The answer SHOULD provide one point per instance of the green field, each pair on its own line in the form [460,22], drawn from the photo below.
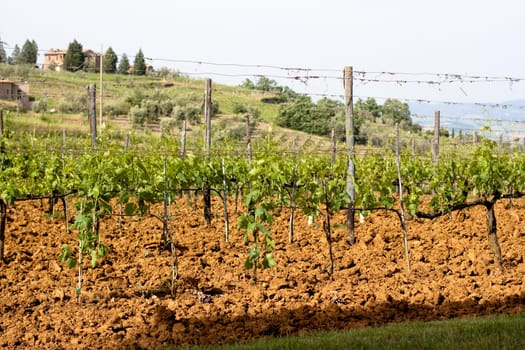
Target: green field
[494,332]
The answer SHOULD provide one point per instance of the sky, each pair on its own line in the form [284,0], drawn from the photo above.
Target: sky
[465,37]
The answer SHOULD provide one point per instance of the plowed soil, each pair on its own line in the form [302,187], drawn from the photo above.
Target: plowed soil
[127,302]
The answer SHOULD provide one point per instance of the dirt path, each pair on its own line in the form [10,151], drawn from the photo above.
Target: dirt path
[126,301]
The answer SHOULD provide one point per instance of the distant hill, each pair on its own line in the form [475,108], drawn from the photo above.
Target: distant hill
[505,118]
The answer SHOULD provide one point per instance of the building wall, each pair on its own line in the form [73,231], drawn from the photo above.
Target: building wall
[6,89]
[15,91]
[56,57]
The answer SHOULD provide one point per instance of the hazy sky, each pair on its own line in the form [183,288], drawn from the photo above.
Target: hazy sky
[474,37]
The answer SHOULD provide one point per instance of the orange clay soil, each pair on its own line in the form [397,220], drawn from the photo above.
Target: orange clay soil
[126,301]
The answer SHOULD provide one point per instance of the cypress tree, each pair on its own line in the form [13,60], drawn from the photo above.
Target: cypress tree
[29,53]
[15,55]
[74,58]
[3,54]
[110,61]
[123,66]
[139,65]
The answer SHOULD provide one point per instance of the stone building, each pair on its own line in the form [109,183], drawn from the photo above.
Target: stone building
[54,59]
[10,90]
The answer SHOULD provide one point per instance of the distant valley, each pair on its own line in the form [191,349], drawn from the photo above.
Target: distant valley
[505,119]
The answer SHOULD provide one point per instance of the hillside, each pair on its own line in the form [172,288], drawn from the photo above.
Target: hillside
[63,98]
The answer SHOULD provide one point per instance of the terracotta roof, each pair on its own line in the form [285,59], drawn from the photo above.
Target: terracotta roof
[55,52]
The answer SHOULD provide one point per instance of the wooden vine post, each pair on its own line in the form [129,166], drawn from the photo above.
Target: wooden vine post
[225,203]
[1,123]
[249,140]
[435,141]
[207,144]
[92,113]
[350,141]
[401,200]
[3,216]
[292,206]
[333,148]
[183,139]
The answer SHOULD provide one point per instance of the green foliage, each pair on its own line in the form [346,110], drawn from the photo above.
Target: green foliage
[106,174]
[110,61]
[239,108]
[368,113]
[40,106]
[116,109]
[135,97]
[304,115]
[490,171]
[29,53]
[52,66]
[253,222]
[190,113]
[3,54]
[74,104]
[283,93]
[139,64]
[267,85]
[149,109]
[138,116]
[15,56]
[168,126]
[74,58]
[123,66]
[399,112]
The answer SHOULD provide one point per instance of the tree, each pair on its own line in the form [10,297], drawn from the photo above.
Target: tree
[248,84]
[29,53]
[123,67]
[367,110]
[15,55]
[74,58]
[266,84]
[3,55]
[110,61]
[304,115]
[139,64]
[396,110]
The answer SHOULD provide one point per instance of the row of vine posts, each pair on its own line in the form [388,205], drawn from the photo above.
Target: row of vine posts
[488,202]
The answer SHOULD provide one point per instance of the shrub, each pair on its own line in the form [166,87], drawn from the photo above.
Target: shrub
[166,108]
[152,109]
[167,126]
[138,116]
[40,106]
[74,104]
[117,109]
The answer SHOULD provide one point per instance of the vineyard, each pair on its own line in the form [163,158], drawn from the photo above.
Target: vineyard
[142,244]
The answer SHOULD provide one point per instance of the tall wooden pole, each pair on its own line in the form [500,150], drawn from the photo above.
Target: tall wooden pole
[401,200]
[435,141]
[207,118]
[207,143]
[350,141]
[249,141]
[1,122]
[333,148]
[183,139]
[92,112]
[101,68]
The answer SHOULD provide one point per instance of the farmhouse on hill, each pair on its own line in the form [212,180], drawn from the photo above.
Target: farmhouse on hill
[54,59]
